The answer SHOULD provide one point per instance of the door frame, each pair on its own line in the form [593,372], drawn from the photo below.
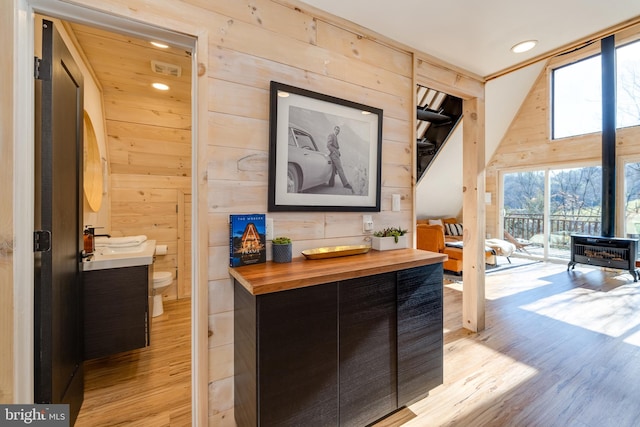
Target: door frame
[24,183]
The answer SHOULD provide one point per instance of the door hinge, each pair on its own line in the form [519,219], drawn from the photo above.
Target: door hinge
[41,69]
[36,67]
[41,241]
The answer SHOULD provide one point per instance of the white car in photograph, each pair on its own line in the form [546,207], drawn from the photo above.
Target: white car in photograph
[307,166]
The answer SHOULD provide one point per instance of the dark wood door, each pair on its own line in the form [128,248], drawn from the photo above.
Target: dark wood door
[58,211]
[367,325]
[420,336]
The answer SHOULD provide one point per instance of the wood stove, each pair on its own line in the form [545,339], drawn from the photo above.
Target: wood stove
[612,252]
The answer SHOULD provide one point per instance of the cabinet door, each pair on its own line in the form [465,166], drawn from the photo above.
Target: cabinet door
[367,348]
[245,375]
[298,357]
[420,337]
[115,310]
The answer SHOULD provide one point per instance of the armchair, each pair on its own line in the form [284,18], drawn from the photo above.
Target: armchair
[431,237]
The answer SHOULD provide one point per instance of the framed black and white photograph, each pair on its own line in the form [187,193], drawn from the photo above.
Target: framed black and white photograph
[324,152]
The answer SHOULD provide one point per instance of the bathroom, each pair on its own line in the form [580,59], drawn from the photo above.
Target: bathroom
[137,171]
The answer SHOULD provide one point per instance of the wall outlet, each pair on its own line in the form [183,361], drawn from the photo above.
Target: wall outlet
[367,224]
[269,230]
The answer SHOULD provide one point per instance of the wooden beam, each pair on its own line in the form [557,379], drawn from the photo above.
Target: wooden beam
[473,216]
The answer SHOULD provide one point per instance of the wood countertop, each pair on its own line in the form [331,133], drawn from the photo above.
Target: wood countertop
[271,277]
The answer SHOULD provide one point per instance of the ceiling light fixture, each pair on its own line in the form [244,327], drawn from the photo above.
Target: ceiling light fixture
[524,46]
[160,45]
[160,86]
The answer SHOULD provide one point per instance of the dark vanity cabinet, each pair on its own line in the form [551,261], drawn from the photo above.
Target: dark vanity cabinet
[345,352]
[116,310]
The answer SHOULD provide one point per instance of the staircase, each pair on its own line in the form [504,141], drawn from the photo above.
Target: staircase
[437,114]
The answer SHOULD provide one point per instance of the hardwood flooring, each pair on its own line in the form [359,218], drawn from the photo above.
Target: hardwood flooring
[149,387]
[560,349]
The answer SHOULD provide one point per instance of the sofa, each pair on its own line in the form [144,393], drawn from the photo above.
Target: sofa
[432,237]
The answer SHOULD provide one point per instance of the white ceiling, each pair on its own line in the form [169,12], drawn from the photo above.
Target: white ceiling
[478,35]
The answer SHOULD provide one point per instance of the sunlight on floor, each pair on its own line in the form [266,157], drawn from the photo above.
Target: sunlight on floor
[500,285]
[607,311]
[633,339]
[444,407]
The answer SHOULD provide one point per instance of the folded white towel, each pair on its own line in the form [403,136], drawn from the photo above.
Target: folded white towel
[120,242]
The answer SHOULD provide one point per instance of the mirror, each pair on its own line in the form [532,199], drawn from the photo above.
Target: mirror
[92,166]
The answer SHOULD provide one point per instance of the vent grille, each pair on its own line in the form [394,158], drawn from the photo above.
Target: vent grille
[166,69]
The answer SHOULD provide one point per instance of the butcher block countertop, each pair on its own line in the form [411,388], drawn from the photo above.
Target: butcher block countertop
[271,277]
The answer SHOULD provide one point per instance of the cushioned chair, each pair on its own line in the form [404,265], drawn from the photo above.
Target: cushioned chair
[431,237]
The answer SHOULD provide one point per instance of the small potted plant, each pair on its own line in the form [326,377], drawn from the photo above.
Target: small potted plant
[281,249]
[389,238]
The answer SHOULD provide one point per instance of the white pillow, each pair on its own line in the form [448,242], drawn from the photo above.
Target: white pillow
[435,222]
[453,229]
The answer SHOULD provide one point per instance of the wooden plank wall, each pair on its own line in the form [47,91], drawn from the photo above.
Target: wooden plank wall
[249,47]
[527,144]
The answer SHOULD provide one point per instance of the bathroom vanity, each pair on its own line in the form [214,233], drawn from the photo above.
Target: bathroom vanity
[340,341]
[117,292]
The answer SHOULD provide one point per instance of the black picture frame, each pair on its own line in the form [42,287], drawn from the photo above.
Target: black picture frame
[308,166]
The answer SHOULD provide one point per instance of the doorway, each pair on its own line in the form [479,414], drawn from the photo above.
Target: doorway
[146,148]
[23,107]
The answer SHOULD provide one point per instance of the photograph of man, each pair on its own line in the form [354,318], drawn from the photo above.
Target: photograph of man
[334,154]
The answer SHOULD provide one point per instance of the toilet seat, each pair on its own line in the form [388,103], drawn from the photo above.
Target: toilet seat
[161,278]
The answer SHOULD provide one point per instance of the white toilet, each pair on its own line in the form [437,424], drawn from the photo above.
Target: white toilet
[161,281]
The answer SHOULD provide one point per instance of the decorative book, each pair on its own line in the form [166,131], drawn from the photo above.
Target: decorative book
[247,239]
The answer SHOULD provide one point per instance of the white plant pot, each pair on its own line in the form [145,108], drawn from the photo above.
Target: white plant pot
[389,243]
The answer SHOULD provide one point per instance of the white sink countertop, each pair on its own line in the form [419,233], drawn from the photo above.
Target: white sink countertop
[110,257]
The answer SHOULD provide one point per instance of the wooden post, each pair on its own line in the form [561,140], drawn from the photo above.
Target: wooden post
[473,216]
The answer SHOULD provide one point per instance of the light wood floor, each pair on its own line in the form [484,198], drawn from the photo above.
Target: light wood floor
[560,349]
[146,387]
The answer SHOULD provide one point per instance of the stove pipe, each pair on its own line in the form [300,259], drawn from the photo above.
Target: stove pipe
[608,136]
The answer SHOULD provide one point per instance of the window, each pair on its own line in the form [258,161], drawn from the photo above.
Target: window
[545,207]
[577,98]
[577,93]
[632,199]
[628,87]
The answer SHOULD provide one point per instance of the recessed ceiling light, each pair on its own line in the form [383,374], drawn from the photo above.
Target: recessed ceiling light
[160,45]
[160,86]
[283,94]
[524,46]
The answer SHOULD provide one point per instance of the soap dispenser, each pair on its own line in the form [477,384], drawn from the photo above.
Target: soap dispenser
[88,240]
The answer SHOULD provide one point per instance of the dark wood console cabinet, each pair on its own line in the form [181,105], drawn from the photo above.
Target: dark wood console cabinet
[116,310]
[344,352]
